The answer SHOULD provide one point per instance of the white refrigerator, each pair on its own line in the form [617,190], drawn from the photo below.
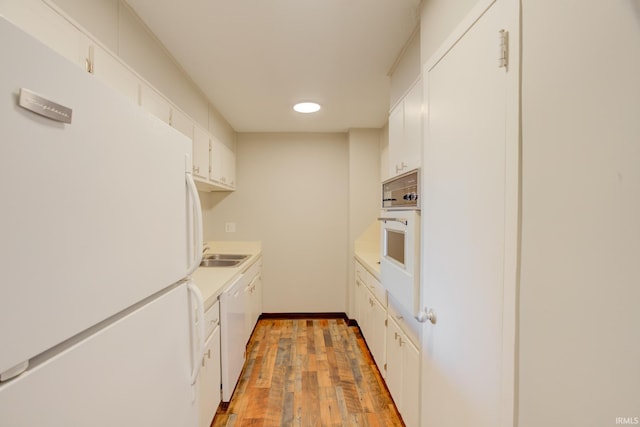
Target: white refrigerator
[100,228]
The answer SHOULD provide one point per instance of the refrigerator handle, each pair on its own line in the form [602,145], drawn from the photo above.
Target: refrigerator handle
[197,242]
[197,322]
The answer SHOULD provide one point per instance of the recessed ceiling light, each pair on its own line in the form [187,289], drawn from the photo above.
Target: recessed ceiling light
[306,107]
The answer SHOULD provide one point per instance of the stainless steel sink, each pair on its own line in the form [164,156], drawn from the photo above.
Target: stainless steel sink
[225,256]
[222,260]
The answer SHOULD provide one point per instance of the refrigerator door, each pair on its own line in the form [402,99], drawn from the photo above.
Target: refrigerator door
[134,372]
[94,213]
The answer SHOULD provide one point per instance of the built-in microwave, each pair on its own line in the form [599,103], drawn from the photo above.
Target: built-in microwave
[402,192]
[400,240]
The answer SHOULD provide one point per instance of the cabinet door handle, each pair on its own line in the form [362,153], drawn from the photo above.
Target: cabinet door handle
[401,220]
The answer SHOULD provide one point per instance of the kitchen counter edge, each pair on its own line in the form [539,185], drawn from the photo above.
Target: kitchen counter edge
[370,260]
[212,281]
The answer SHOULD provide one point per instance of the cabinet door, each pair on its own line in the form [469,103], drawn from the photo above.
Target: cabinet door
[412,142]
[364,305]
[155,103]
[216,160]
[394,361]
[410,406]
[201,146]
[114,73]
[182,122]
[359,301]
[248,315]
[223,164]
[377,336]
[396,139]
[405,132]
[256,305]
[209,387]
[229,167]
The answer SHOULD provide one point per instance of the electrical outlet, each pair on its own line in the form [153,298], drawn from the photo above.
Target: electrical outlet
[230,227]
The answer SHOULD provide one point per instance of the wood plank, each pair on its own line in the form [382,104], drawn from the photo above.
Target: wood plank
[308,372]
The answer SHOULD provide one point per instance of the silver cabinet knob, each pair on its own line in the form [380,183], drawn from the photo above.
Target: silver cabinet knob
[429,315]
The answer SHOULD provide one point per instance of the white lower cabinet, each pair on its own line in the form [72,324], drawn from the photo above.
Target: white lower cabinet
[371,312]
[254,300]
[391,343]
[403,373]
[210,374]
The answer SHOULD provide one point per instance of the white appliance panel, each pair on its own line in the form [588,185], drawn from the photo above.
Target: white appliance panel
[400,267]
[134,372]
[94,212]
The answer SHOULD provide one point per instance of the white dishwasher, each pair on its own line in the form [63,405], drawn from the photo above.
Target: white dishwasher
[233,337]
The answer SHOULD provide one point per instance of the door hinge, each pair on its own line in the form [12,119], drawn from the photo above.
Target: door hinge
[88,63]
[503,59]
[385,366]
[386,322]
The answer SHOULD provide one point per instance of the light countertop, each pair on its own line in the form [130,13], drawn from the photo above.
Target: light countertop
[370,259]
[213,280]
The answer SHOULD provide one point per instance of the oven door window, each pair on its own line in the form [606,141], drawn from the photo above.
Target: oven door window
[394,245]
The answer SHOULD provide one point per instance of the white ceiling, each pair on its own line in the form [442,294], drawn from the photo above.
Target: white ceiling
[255,58]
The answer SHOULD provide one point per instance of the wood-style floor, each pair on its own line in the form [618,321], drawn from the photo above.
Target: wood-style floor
[309,372]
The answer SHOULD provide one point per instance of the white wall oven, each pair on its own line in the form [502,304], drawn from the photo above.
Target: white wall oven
[400,239]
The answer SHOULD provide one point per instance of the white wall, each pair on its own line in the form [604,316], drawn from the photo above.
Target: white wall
[580,280]
[438,18]
[292,195]
[406,70]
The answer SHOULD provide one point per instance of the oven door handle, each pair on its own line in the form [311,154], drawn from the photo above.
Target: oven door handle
[404,221]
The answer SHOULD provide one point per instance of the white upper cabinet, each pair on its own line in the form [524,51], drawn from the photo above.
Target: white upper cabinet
[396,137]
[152,101]
[46,25]
[223,164]
[111,71]
[213,170]
[405,132]
[201,148]
[182,122]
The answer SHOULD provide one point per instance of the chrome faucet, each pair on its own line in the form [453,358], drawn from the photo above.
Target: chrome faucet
[205,249]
